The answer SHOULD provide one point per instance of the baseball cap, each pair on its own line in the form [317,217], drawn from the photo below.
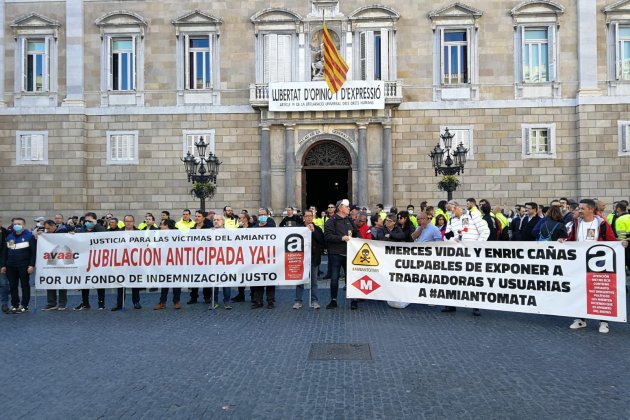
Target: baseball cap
[39,219]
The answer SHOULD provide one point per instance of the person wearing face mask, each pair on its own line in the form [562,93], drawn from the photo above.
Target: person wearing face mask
[90,226]
[264,221]
[18,262]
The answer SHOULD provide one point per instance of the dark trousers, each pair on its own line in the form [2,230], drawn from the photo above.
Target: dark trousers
[207,294]
[336,262]
[177,294]
[257,293]
[18,276]
[85,296]
[120,298]
[51,296]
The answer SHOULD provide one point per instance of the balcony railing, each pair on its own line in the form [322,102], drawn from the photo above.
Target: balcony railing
[259,94]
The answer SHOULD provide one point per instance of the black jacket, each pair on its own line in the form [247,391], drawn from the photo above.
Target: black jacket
[19,250]
[527,229]
[336,228]
[317,245]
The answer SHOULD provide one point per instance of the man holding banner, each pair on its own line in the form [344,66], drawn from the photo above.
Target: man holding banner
[337,232]
[465,226]
[90,226]
[590,227]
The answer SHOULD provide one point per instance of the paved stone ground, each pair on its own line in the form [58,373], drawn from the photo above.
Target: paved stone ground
[246,363]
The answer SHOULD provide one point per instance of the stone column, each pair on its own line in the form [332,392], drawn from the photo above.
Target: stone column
[362,185]
[388,179]
[74,53]
[289,165]
[265,167]
[2,103]
[587,47]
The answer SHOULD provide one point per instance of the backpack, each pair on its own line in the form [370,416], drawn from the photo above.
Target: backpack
[544,238]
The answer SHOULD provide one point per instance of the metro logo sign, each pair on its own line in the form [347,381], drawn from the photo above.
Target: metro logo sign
[366,285]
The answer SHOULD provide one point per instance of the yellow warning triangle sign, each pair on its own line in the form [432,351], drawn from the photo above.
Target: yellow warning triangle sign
[365,256]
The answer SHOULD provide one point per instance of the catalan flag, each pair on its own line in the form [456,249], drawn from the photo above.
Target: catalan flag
[335,68]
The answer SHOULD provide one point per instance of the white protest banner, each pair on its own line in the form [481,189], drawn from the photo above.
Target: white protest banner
[169,258]
[316,96]
[573,279]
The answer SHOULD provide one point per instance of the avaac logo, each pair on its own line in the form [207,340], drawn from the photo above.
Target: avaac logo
[61,255]
[601,259]
[366,285]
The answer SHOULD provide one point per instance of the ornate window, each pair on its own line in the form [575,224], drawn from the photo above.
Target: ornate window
[536,26]
[455,69]
[374,38]
[122,58]
[276,33]
[327,154]
[35,60]
[197,58]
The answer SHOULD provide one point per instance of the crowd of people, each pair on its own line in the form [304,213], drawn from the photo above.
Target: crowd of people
[561,220]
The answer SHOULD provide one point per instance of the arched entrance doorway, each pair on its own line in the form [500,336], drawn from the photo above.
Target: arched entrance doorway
[326,174]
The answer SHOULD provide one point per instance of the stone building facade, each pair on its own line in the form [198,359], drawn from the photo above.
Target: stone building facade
[99,101]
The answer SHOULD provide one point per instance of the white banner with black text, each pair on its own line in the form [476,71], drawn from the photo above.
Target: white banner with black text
[573,279]
[170,258]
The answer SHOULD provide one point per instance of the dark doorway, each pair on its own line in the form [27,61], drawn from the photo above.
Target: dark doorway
[327,175]
[325,186]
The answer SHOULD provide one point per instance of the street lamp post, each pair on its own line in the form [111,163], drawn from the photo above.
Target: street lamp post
[450,166]
[202,171]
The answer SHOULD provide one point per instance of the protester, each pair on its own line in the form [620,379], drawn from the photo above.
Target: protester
[90,226]
[18,262]
[317,243]
[264,221]
[168,224]
[129,222]
[426,232]
[51,227]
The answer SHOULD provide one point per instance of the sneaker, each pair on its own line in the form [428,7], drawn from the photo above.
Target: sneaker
[101,306]
[13,310]
[81,307]
[315,305]
[332,304]
[6,309]
[354,305]
[159,306]
[577,324]
[137,305]
[603,327]
[61,308]
[49,307]
[297,305]
[227,306]
[22,309]
[213,306]
[177,305]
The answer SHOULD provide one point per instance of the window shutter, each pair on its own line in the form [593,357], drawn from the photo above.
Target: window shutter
[384,54]
[618,52]
[469,53]
[271,53]
[22,44]
[108,54]
[132,85]
[362,55]
[441,55]
[369,55]
[437,53]
[284,66]
[24,147]
[521,53]
[46,65]
[209,63]
[187,84]
[625,147]
[526,140]
[551,51]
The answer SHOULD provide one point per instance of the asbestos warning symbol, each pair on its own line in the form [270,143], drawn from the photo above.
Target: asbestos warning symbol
[365,256]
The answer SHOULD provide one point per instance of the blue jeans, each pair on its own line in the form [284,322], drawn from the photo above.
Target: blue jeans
[4,289]
[299,289]
[227,292]
[336,262]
